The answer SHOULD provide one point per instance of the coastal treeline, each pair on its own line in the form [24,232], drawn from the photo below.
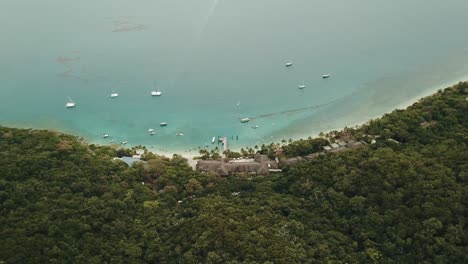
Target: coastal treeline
[401,199]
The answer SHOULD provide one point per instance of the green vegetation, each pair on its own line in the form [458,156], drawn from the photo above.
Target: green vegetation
[66,202]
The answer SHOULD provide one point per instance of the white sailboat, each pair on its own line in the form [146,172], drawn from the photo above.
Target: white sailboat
[156,92]
[113,94]
[70,103]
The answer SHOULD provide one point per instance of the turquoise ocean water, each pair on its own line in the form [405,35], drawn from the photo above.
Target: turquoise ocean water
[207,56]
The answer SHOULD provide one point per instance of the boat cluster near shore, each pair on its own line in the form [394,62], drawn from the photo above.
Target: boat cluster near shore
[157,93]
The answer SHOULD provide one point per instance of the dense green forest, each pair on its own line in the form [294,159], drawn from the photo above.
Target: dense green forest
[63,201]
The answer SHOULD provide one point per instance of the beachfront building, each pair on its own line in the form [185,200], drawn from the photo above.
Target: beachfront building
[259,165]
[130,160]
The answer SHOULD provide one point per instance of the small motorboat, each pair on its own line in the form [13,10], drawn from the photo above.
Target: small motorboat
[150,130]
[289,64]
[152,133]
[245,120]
[105,135]
[163,124]
[179,134]
[326,76]
[302,86]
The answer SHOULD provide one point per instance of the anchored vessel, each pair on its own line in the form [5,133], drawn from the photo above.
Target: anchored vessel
[70,103]
[156,92]
[113,94]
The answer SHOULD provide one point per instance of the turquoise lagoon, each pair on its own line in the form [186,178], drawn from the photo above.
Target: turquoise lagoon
[208,55]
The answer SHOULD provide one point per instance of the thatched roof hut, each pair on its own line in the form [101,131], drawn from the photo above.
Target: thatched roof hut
[260,166]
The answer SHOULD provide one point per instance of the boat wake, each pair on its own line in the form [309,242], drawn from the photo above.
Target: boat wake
[293,111]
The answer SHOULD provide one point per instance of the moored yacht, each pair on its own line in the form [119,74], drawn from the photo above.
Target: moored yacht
[156,91]
[163,124]
[289,64]
[302,86]
[70,103]
[113,94]
[325,76]
[245,120]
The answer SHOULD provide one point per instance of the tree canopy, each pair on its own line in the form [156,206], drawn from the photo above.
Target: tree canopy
[63,201]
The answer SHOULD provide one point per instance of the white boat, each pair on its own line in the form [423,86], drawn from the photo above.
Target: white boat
[70,103]
[255,127]
[325,76]
[213,140]
[163,124]
[289,64]
[245,120]
[111,141]
[152,133]
[124,142]
[150,130]
[156,92]
[113,94]
[302,86]
[105,135]
[179,134]
[238,104]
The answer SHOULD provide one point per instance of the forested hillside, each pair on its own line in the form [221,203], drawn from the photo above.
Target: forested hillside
[63,201]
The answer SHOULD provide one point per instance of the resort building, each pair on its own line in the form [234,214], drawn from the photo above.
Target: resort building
[259,165]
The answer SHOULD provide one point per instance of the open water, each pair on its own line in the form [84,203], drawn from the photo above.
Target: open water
[219,61]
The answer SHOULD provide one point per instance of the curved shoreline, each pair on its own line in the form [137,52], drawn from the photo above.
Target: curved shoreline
[190,154]
[403,105]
